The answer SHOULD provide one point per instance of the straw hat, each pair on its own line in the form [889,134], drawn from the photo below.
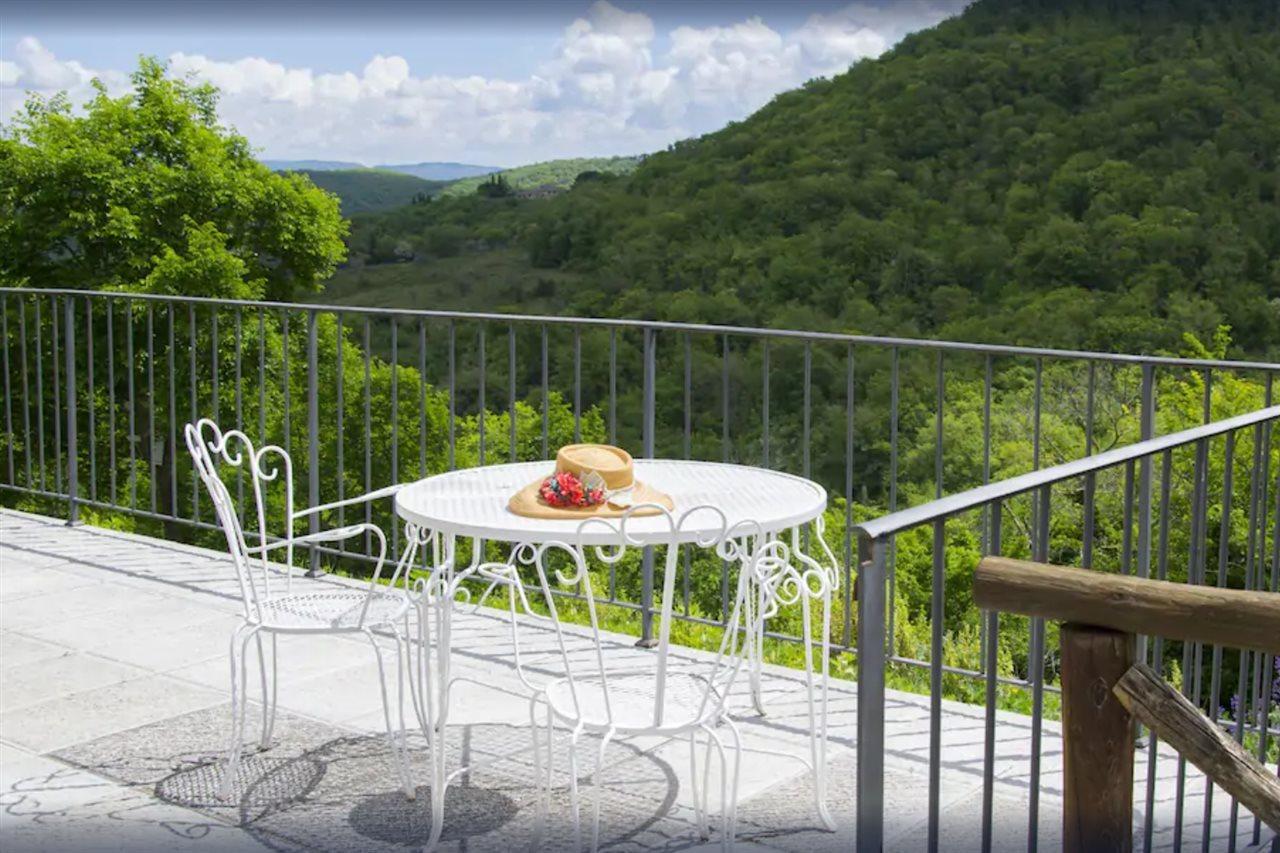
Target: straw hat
[608,468]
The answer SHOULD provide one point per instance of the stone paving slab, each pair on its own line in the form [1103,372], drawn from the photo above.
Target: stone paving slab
[123,669]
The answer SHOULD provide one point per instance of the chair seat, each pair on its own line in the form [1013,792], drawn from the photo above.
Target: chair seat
[332,610]
[631,700]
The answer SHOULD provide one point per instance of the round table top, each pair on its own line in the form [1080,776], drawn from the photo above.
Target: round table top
[472,502]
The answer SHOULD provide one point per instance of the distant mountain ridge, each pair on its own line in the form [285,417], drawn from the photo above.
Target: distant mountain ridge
[427,171]
[310,165]
[430,171]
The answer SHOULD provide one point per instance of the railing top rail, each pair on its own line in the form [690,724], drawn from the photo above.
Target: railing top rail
[944,507]
[660,325]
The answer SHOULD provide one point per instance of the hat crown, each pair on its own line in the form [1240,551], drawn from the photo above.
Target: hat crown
[613,464]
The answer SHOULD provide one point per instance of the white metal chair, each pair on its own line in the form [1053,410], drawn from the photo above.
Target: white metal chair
[272,611]
[665,697]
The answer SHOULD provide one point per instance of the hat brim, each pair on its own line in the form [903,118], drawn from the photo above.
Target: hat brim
[529,504]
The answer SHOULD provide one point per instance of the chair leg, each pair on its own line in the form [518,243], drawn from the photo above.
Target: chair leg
[597,783]
[573,788]
[239,706]
[714,742]
[537,761]
[732,828]
[398,762]
[270,690]
[699,818]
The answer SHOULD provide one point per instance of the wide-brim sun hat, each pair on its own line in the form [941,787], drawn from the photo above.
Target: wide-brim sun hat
[604,472]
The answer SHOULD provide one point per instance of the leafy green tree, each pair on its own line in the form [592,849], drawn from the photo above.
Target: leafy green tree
[148,192]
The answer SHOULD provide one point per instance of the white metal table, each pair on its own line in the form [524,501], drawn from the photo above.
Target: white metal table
[760,508]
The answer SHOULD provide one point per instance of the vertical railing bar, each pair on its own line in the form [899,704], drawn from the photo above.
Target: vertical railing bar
[577,384]
[262,376]
[57,394]
[39,359]
[1246,660]
[847,629]
[936,617]
[313,439]
[511,378]
[1035,675]
[1162,570]
[453,397]
[151,400]
[938,420]
[339,405]
[284,379]
[481,370]
[687,449]
[1147,428]
[613,385]
[239,375]
[1215,666]
[91,398]
[546,397]
[26,390]
[1266,678]
[395,421]
[1090,479]
[764,402]
[73,449]
[1190,652]
[991,651]
[894,402]
[724,454]
[8,400]
[171,363]
[648,440]
[986,478]
[130,369]
[214,402]
[368,434]
[1126,528]
[806,467]
[422,397]
[869,786]
[111,402]
[195,410]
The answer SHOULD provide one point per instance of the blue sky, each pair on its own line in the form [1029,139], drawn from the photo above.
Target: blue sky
[493,82]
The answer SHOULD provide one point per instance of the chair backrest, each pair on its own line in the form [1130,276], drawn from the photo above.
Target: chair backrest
[739,547]
[215,451]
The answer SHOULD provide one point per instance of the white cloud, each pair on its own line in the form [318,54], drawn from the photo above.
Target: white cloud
[609,85]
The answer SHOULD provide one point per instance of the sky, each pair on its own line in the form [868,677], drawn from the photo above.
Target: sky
[498,83]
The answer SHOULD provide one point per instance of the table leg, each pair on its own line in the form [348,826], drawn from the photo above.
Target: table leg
[435,613]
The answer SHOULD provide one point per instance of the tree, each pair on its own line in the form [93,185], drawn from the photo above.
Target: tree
[148,192]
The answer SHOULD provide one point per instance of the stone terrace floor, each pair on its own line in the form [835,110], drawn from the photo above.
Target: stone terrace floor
[114,697]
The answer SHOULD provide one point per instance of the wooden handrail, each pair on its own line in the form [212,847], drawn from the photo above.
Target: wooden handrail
[1228,617]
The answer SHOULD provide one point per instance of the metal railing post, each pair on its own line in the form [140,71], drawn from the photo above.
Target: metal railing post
[871,663]
[313,441]
[1147,424]
[647,639]
[73,448]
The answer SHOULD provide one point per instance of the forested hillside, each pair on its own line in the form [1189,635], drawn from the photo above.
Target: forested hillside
[1079,174]
[553,173]
[365,190]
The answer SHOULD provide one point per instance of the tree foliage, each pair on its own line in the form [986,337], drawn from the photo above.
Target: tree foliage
[148,192]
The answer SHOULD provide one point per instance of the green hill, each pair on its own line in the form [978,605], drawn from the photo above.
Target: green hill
[365,190]
[553,173]
[1080,174]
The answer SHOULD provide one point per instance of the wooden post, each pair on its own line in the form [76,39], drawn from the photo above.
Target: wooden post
[1097,741]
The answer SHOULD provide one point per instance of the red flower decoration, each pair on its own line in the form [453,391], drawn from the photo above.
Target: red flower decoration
[564,489]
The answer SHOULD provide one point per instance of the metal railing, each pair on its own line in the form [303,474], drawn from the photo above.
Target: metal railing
[97,384]
[1256,682]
